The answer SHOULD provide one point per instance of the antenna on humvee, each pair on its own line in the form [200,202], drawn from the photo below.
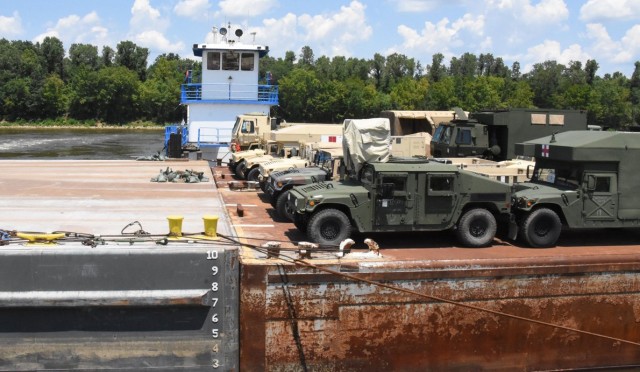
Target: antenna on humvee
[553,137]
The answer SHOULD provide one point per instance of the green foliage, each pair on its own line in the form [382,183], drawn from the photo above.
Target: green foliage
[38,83]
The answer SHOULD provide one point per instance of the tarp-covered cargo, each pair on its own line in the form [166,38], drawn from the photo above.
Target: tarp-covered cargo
[365,140]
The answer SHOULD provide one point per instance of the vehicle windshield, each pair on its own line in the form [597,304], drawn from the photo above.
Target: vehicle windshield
[443,134]
[564,176]
[438,133]
[236,126]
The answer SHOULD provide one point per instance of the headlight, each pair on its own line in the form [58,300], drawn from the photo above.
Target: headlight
[524,202]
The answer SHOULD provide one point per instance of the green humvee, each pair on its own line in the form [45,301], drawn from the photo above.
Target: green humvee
[400,196]
[582,179]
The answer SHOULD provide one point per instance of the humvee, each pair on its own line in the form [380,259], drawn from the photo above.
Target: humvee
[279,183]
[400,196]
[581,179]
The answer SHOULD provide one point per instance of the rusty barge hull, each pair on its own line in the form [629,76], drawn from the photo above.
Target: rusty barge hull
[299,316]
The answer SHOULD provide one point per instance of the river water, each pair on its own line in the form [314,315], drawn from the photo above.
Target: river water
[89,143]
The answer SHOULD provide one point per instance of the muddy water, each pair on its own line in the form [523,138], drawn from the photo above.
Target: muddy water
[57,143]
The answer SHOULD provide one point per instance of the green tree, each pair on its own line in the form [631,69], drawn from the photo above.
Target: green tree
[54,98]
[436,71]
[84,56]
[306,56]
[409,94]
[296,92]
[441,95]
[133,57]
[52,51]
[160,93]
[117,98]
[544,80]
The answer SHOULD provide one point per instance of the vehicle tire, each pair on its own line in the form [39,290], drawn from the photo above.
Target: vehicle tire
[240,168]
[541,228]
[281,206]
[301,221]
[328,227]
[263,186]
[476,228]
[253,174]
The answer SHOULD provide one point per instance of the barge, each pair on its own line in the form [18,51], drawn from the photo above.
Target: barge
[105,297]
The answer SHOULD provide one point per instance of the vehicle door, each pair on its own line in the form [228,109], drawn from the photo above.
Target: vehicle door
[601,197]
[394,199]
[440,198]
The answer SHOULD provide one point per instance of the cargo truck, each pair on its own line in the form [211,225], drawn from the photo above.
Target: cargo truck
[397,196]
[257,135]
[494,134]
[581,179]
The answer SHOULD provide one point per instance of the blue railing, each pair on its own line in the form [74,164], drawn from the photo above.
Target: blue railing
[236,93]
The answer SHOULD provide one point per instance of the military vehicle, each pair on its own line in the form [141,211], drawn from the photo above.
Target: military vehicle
[582,179]
[399,195]
[257,135]
[494,134]
[406,122]
[265,169]
[279,183]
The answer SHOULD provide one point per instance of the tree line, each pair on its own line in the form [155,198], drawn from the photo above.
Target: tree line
[39,81]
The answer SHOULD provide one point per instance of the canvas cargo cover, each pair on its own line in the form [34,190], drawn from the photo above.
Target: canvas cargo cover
[306,133]
[403,122]
[365,140]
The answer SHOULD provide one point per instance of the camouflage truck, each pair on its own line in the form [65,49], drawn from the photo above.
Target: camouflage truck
[277,186]
[494,134]
[581,179]
[397,196]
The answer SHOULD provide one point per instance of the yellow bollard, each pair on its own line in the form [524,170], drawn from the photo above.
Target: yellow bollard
[175,225]
[210,226]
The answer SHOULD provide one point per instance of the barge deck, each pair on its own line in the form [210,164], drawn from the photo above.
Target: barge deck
[423,304]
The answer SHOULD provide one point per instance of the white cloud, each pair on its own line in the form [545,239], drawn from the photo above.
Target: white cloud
[78,29]
[546,11]
[412,6]
[157,42]
[245,8]
[441,37]
[622,51]
[144,17]
[148,27]
[11,26]
[192,8]
[610,9]
[552,50]
[328,34]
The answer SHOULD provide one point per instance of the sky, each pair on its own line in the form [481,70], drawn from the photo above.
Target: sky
[526,31]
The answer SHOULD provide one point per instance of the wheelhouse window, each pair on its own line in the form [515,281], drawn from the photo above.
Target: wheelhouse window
[230,61]
[213,61]
[247,61]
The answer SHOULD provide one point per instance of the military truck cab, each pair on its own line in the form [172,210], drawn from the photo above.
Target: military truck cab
[582,179]
[494,134]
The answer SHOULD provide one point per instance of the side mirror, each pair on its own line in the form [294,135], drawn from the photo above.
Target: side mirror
[387,190]
[591,183]
[529,171]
